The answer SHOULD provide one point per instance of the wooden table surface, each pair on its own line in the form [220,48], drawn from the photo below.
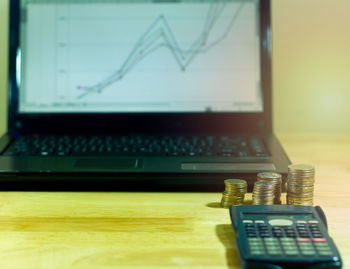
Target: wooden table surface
[157,230]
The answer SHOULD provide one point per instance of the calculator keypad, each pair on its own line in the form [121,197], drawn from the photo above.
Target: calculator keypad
[263,230]
[305,246]
[300,239]
[250,229]
[256,246]
[289,246]
[272,246]
[302,230]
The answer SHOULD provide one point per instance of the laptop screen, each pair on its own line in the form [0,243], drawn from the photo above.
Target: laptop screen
[109,56]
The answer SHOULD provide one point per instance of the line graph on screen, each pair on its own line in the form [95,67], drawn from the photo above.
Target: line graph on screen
[160,34]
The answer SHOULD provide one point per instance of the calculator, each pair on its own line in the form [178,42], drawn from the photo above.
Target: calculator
[283,236]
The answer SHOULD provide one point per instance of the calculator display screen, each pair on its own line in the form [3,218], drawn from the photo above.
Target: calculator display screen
[301,216]
[296,216]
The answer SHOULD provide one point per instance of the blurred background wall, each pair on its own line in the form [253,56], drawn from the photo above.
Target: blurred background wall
[311,65]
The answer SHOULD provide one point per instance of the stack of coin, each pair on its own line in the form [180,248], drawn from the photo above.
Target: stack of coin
[276,179]
[263,193]
[300,184]
[235,189]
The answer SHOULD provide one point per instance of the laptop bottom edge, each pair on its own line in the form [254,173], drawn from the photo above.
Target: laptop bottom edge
[199,182]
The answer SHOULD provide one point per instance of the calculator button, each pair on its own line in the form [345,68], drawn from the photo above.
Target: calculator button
[291,252]
[304,235]
[263,228]
[257,248]
[254,240]
[247,221]
[276,228]
[287,244]
[319,240]
[260,222]
[308,252]
[295,251]
[287,240]
[313,221]
[290,248]
[249,225]
[264,231]
[250,230]
[278,235]
[312,227]
[265,235]
[280,222]
[270,242]
[301,229]
[252,235]
[322,246]
[274,253]
[305,243]
[317,235]
[257,252]
[302,240]
[291,234]
[325,248]
[273,246]
[275,240]
[259,242]
[306,246]
[315,231]
[301,222]
[325,253]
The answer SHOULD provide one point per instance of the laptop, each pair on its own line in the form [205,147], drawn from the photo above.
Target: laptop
[140,95]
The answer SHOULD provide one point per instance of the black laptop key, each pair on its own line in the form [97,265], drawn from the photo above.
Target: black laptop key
[258,148]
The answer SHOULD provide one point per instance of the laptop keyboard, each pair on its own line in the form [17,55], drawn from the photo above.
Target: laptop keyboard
[144,145]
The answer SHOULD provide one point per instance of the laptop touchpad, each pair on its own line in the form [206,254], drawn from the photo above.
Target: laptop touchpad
[229,167]
[108,163]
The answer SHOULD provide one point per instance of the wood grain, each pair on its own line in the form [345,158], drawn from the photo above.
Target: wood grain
[156,230]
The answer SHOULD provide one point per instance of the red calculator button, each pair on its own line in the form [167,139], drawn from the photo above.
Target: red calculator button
[303,240]
[319,240]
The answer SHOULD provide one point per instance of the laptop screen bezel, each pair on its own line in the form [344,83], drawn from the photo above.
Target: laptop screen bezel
[213,122]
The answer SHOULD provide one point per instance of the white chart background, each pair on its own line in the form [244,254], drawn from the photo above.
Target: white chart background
[74,55]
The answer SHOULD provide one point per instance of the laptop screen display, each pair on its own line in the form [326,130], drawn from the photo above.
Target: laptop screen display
[109,56]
